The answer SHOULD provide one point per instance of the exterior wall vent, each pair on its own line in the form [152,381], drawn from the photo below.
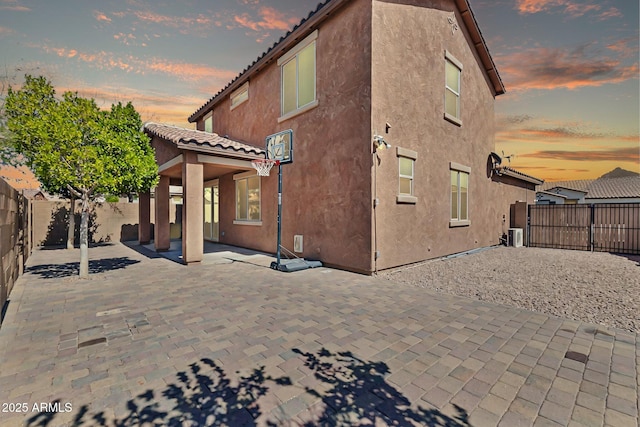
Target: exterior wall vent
[297,243]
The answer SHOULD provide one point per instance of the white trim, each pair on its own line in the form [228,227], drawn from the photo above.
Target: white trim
[299,111]
[459,223]
[238,92]
[245,222]
[458,167]
[404,152]
[297,48]
[405,198]
[244,175]
[242,164]
[452,119]
[171,163]
[453,59]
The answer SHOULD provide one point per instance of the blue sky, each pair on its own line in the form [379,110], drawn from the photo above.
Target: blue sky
[570,66]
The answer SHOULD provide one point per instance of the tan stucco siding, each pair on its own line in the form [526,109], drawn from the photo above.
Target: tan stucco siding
[327,195]
[409,43]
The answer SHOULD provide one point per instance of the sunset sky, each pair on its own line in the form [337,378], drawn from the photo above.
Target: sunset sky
[570,66]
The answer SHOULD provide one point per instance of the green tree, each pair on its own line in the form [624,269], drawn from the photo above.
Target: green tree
[71,145]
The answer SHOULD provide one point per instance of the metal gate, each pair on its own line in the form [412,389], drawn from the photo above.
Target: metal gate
[611,227]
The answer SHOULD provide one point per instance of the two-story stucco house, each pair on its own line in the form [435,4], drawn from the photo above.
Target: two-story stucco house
[414,73]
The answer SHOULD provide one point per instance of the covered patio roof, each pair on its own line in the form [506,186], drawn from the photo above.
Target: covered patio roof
[203,142]
[217,154]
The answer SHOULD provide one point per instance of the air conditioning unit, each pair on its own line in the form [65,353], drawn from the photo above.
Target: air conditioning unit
[515,237]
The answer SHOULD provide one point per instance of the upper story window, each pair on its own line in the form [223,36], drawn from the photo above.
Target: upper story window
[240,95]
[208,122]
[453,71]
[298,71]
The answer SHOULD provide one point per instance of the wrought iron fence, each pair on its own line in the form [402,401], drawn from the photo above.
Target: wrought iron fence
[611,227]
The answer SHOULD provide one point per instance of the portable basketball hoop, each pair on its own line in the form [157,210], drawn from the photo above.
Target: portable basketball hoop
[263,166]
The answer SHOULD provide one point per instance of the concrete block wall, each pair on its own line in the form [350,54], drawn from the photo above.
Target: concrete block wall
[14,246]
[109,222]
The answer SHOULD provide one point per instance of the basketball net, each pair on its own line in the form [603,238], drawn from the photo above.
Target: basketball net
[263,166]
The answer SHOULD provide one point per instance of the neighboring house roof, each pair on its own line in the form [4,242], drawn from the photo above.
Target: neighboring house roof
[35,194]
[614,188]
[546,193]
[204,142]
[322,12]
[506,170]
[579,185]
[559,187]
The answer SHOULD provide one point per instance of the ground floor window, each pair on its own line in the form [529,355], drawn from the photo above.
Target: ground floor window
[459,195]
[248,198]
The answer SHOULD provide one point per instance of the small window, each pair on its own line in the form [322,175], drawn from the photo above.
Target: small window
[208,123]
[298,71]
[453,70]
[459,195]
[240,95]
[406,170]
[248,199]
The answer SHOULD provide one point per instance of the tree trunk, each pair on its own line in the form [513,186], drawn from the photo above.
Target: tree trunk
[84,236]
[72,223]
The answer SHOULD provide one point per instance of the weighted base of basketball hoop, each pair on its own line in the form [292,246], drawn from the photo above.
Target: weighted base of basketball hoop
[293,264]
[297,264]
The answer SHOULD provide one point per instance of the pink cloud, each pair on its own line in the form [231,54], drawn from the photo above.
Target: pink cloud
[547,68]
[5,31]
[610,13]
[13,6]
[110,61]
[572,8]
[270,19]
[101,17]
[617,154]
[172,21]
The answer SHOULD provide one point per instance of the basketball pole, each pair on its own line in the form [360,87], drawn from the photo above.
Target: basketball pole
[279,215]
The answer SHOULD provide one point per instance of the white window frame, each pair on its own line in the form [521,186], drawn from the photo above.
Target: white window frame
[292,55]
[209,116]
[239,96]
[245,177]
[413,156]
[457,167]
[453,61]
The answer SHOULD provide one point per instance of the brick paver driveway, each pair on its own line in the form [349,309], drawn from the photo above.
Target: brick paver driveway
[147,341]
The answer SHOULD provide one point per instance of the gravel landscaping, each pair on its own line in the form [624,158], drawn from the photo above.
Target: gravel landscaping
[593,287]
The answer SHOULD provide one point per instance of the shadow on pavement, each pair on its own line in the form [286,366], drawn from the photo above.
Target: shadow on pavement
[356,393]
[57,271]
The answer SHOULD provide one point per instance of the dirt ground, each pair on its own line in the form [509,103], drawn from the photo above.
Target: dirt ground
[596,287]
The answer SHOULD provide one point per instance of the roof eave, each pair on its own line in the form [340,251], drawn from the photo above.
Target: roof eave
[322,12]
[521,176]
[481,45]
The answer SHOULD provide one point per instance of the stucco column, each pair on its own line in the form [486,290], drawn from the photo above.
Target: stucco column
[162,239]
[192,209]
[144,217]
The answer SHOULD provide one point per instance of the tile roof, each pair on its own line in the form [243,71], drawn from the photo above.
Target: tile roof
[322,11]
[601,188]
[580,185]
[205,142]
[506,170]
[614,188]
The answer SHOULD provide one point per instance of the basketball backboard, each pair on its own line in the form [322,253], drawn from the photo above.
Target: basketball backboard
[280,146]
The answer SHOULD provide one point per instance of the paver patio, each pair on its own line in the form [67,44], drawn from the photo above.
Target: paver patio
[146,341]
